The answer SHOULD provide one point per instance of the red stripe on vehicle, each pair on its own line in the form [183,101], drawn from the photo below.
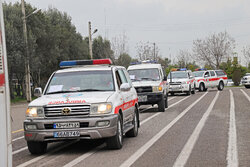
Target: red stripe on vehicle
[214,79]
[224,77]
[126,105]
[2,79]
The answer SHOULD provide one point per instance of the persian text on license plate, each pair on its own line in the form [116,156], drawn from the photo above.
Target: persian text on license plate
[67,134]
[63,125]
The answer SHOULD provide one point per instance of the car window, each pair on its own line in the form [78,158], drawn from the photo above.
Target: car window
[144,74]
[122,76]
[220,73]
[207,74]
[212,73]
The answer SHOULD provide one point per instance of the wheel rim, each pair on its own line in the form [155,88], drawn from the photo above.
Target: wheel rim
[202,87]
[221,86]
[120,132]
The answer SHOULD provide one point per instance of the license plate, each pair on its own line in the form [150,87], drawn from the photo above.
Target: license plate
[67,134]
[65,125]
[142,98]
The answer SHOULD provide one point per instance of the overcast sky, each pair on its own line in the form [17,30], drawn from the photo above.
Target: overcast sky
[171,24]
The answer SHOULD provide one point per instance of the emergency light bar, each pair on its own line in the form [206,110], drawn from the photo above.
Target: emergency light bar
[179,69]
[144,62]
[200,69]
[84,62]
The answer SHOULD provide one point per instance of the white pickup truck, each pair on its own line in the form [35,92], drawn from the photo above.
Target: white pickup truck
[205,79]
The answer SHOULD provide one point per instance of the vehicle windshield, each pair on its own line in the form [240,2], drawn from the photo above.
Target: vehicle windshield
[178,74]
[198,73]
[144,74]
[81,81]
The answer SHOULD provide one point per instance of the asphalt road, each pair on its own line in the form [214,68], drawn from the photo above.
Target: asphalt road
[206,129]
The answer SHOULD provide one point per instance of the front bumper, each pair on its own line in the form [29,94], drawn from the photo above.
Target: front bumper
[88,128]
[151,98]
[180,88]
[245,82]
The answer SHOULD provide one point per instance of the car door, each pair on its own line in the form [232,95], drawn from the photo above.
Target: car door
[207,78]
[213,79]
[127,97]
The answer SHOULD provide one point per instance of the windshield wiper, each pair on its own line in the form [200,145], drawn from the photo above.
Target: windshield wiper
[62,91]
[89,90]
[148,79]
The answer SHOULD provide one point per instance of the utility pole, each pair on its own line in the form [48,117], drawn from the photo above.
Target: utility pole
[90,42]
[154,52]
[27,64]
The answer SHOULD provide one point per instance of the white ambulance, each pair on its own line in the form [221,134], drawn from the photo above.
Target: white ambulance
[89,100]
[150,83]
[205,79]
[181,81]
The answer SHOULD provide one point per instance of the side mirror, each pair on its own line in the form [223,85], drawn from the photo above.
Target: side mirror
[38,92]
[125,87]
[206,76]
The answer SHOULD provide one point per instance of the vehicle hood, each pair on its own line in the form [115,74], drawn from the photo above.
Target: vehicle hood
[72,98]
[178,79]
[146,83]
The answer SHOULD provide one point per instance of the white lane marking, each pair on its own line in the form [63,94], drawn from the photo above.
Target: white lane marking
[87,154]
[45,155]
[232,151]
[149,118]
[146,146]
[18,138]
[84,156]
[246,95]
[187,149]
[20,150]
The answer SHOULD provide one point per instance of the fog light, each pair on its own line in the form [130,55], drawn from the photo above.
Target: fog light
[30,127]
[103,123]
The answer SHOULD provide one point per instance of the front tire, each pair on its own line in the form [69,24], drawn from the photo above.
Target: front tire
[134,132]
[116,141]
[189,91]
[166,101]
[161,104]
[37,147]
[220,86]
[202,87]
[247,86]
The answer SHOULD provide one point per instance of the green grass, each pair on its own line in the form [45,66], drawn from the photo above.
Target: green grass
[20,100]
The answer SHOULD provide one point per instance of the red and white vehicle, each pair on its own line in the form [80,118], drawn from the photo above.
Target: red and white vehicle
[210,79]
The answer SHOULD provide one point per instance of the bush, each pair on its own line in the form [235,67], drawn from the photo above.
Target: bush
[236,77]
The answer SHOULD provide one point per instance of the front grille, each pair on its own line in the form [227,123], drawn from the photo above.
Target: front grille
[82,125]
[175,83]
[143,89]
[76,110]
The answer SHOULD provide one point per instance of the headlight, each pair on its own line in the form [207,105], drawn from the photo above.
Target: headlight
[35,112]
[101,108]
[157,88]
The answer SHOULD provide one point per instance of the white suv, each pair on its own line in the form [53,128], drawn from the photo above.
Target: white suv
[83,102]
[246,80]
[181,81]
[210,79]
[150,83]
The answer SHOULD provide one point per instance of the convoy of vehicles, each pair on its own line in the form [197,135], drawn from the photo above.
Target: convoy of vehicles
[92,99]
[181,81]
[246,80]
[150,83]
[205,79]
[85,101]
